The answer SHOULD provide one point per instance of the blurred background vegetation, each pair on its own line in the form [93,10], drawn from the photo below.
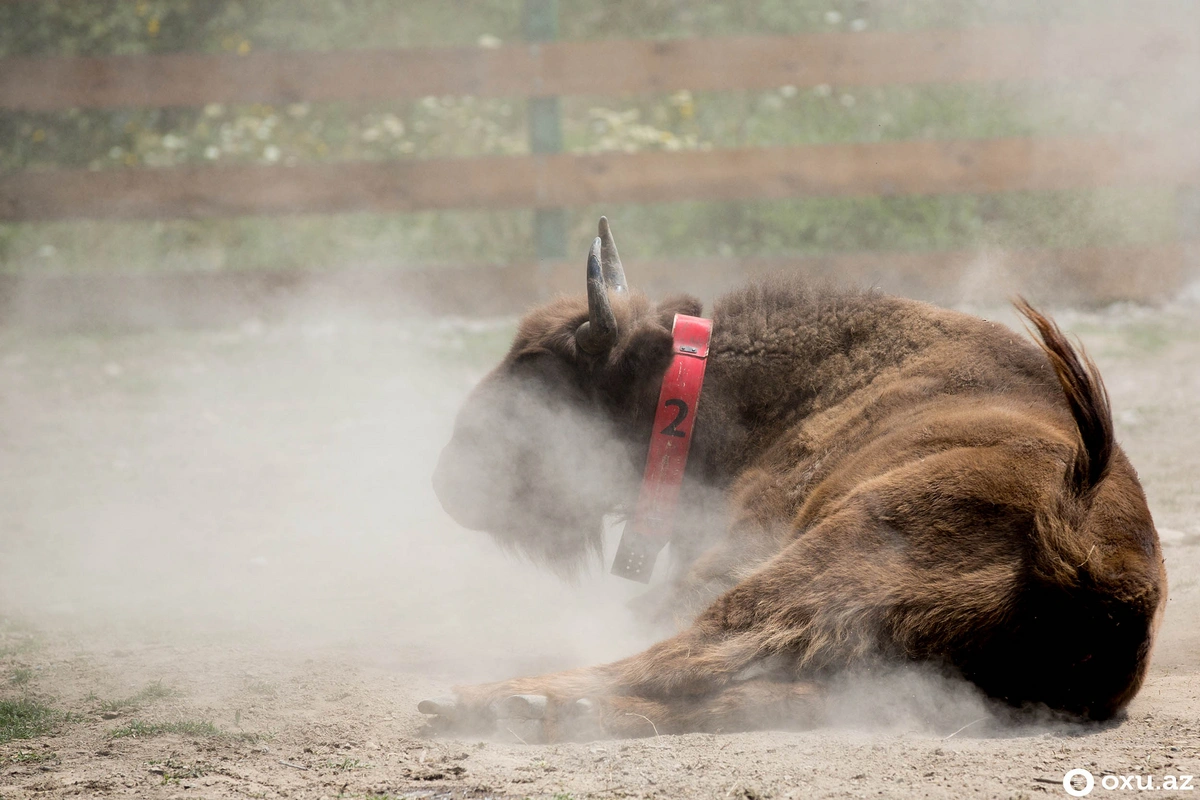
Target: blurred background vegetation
[433,127]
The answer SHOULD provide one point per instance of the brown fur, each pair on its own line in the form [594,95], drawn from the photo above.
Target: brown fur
[890,481]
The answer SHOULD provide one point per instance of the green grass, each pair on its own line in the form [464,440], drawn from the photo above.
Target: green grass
[31,757]
[1147,338]
[664,230]
[15,638]
[466,126]
[1134,339]
[20,676]
[25,718]
[18,647]
[101,27]
[173,771]
[139,729]
[153,691]
[196,729]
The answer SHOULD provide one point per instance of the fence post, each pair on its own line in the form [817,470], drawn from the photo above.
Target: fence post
[540,24]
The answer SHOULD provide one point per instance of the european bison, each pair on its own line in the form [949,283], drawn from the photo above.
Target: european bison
[871,480]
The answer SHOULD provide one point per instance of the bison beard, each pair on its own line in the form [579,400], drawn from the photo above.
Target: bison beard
[895,483]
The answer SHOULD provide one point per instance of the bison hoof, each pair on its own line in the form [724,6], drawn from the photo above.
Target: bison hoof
[523,706]
[580,721]
[525,731]
[442,706]
[523,716]
[526,718]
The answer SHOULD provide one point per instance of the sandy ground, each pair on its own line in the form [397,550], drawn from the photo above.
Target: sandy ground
[221,565]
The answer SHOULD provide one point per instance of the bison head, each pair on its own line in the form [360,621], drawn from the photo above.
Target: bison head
[555,436]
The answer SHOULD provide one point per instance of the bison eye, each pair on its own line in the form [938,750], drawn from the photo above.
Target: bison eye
[530,355]
[537,365]
[533,364]
[545,372]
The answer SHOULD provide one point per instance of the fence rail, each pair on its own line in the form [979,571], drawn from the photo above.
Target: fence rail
[602,67]
[918,167]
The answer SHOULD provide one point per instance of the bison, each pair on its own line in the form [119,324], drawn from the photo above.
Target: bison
[872,480]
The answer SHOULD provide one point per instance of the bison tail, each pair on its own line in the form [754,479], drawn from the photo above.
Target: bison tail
[1087,398]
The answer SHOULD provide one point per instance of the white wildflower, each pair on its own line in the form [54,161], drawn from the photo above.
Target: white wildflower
[393,125]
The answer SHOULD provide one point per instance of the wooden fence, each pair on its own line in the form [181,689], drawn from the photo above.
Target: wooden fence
[548,181]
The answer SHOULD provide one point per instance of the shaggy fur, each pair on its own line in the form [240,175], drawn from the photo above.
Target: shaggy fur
[893,481]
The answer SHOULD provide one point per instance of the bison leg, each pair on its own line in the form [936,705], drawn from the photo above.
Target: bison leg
[746,705]
[847,590]
[689,666]
[689,681]
[694,681]
[755,704]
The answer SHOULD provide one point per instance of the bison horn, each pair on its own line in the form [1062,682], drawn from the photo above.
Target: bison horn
[610,261]
[599,333]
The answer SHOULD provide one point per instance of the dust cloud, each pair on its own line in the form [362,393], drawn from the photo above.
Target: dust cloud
[271,482]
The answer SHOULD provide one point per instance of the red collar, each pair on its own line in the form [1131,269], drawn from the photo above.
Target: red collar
[650,529]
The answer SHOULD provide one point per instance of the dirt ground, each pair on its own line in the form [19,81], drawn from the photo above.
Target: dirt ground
[223,571]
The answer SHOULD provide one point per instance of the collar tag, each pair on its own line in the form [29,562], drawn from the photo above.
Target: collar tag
[654,516]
